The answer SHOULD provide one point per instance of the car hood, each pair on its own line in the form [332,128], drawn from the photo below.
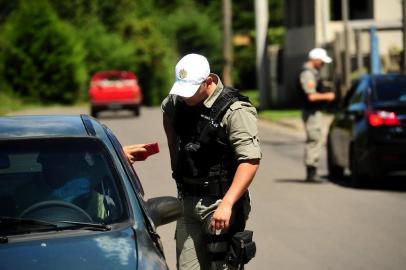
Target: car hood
[107,250]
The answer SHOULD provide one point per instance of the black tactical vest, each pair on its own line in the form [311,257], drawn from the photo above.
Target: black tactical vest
[204,149]
[306,104]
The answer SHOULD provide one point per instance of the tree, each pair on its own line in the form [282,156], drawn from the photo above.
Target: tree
[42,58]
[153,57]
[192,31]
[105,50]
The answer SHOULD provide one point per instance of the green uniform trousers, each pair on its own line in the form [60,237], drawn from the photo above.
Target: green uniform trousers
[192,231]
[314,137]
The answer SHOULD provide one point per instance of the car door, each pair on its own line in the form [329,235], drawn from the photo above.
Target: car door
[352,117]
[339,129]
[140,192]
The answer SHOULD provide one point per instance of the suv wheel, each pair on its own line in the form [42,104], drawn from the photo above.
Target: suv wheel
[358,179]
[334,170]
[137,110]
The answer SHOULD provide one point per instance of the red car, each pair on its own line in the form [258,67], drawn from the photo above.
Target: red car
[115,90]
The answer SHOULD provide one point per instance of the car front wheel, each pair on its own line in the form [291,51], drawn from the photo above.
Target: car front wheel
[334,170]
[358,178]
[137,110]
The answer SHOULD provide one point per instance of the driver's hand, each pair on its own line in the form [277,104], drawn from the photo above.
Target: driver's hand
[135,152]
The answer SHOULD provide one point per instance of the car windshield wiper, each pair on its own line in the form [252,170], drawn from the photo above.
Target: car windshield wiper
[12,225]
[87,226]
[22,224]
[12,222]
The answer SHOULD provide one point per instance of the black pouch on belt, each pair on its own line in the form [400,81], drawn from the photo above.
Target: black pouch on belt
[242,249]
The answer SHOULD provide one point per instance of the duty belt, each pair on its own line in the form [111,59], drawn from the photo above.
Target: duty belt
[216,188]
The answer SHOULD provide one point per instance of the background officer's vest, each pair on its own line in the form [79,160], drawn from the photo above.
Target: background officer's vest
[306,104]
[205,152]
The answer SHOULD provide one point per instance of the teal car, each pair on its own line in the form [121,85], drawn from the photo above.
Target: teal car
[69,199]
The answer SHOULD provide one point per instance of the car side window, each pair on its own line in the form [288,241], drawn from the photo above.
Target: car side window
[359,92]
[350,94]
[124,161]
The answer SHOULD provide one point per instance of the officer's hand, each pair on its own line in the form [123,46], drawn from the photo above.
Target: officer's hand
[330,96]
[135,152]
[221,217]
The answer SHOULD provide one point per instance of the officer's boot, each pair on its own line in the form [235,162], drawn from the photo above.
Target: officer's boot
[311,173]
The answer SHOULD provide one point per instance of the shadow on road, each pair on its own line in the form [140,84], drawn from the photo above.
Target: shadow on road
[115,115]
[277,143]
[395,183]
[299,181]
[389,183]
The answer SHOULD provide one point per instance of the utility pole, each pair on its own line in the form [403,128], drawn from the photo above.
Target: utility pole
[261,26]
[347,67]
[324,19]
[227,43]
[375,66]
[404,36]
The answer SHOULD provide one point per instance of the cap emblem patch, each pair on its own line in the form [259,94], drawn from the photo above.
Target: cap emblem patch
[182,74]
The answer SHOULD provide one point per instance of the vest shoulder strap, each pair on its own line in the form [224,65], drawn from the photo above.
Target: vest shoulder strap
[227,97]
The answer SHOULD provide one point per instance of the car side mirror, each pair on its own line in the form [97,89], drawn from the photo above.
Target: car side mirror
[354,115]
[164,210]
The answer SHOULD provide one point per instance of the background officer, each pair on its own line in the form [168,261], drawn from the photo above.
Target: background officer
[314,96]
[215,153]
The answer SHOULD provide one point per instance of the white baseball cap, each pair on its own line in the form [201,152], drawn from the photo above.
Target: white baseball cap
[320,54]
[191,71]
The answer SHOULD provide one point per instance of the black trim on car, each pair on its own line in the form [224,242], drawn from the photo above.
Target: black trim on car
[88,124]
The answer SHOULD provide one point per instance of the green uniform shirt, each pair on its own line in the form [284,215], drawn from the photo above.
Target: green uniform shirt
[239,122]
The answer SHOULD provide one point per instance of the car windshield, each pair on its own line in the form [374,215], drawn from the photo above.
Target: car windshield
[55,180]
[391,89]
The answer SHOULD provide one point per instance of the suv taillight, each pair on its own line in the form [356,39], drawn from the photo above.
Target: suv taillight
[382,118]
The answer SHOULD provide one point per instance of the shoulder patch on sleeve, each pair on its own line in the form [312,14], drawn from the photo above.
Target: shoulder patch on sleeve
[310,84]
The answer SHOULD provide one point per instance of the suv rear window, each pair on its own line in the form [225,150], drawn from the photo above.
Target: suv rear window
[72,171]
[391,89]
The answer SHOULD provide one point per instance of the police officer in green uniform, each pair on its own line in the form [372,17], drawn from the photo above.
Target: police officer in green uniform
[215,153]
[314,97]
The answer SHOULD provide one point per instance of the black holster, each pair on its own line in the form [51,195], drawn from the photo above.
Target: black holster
[235,247]
[241,250]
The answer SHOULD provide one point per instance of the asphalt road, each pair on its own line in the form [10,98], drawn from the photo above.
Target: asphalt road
[296,225]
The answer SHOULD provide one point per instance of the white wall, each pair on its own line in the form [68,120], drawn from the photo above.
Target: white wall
[385,11]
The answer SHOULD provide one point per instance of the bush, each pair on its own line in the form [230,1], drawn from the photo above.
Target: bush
[42,58]
[244,71]
[105,50]
[193,31]
[154,58]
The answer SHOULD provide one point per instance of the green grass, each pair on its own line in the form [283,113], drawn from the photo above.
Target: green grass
[276,115]
[253,95]
[9,103]
[271,115]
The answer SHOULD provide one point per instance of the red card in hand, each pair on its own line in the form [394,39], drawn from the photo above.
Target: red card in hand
[152,148]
